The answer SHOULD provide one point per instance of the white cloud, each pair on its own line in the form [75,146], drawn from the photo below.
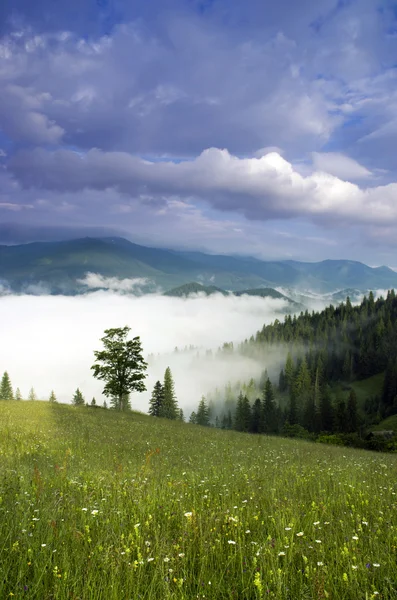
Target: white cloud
[340,165]
[115,284]
[260,188]
[48,341]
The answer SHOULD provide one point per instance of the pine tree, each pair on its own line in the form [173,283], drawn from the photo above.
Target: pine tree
[289,371]
[193,418]
[352,413]
[340,417]
[256,417]
[242,419]
[269,409]
[52,397]
[105,404]
[32,394]
[157,399]
[18,395]
[202,415]
[78,398]
[181,416]
[6,392]
[169,409]
[93,402]
[326,412]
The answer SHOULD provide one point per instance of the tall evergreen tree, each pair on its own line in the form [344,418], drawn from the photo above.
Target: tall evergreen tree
[352,413]
[32,394]
[169,408]
[193,418]
[52,397]
[181,416]
[257,417]
[157,399]
[326,412]
[202,415]
[340,417]
[78,398]
[18,395]
[93,402]
[6,392]
[289,371]
[269,409]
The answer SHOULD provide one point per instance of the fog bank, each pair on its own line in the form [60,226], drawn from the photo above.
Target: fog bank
[48,341]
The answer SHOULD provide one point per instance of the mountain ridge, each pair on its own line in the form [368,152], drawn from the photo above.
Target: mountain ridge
[60,265]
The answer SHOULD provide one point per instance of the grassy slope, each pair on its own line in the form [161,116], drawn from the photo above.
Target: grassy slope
[364,388]
[89,496]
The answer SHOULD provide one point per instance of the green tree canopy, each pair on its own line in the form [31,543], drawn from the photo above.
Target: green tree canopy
[121,365]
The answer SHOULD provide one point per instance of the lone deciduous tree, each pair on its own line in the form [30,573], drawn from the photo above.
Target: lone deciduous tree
[121,366]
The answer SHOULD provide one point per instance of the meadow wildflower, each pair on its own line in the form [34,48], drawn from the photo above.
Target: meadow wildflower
[231,542]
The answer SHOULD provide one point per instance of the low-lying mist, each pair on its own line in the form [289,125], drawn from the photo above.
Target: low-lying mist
[48,341]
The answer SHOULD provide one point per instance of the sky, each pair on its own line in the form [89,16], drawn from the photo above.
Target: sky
[256,127]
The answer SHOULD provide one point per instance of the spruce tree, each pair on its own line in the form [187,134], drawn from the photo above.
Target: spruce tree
[352,413]
[181,416]
[157,400]
[269,409]
[202,415]
[326,412]
[32,394]
[193,418]
[78,398]
[93,402]
[18,395]
[256,417]
[52,397]
[169,410]
[6,392]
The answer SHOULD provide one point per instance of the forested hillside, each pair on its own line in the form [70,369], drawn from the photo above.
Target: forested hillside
[326,384]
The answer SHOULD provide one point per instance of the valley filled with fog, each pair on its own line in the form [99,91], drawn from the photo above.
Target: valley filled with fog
[48,341]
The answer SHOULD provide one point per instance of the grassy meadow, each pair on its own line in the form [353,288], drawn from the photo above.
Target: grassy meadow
[99,505]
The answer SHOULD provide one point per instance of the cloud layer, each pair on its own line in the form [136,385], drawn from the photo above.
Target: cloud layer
[268,187]
[48,341]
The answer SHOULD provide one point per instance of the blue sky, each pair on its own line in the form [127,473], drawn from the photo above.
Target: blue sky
[255,127]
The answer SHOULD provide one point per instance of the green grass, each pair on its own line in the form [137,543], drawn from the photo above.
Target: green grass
[368,387]
[98,505]
[372,386]
[387,424]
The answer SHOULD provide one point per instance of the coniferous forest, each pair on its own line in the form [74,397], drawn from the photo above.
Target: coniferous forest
[312,395]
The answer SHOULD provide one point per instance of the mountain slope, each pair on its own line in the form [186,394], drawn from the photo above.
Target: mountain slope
[59,266]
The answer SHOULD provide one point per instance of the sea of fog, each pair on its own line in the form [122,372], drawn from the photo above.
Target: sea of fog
[48,341]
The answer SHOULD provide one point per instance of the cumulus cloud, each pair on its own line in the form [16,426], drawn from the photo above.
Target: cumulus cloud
[48,341]
[98,281]
[261,188]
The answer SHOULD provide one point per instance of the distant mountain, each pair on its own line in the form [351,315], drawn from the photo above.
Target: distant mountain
[59,268]
[189,289]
